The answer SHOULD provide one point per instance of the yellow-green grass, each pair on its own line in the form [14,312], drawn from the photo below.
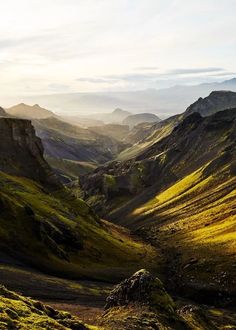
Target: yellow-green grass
[107,252]
[196,218]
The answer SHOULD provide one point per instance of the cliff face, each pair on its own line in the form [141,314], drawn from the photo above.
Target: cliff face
[2,112]
[21,151]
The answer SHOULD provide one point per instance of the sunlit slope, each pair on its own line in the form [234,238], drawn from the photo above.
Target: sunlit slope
[190,209]
[194,222]
[58,233]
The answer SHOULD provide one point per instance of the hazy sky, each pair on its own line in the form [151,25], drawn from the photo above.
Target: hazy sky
[49,46]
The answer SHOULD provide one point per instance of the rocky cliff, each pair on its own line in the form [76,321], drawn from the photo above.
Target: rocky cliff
[21,152]
[2,112]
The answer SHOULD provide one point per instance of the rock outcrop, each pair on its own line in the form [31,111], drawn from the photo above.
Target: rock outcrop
[21,151]
[142,288]
[141,302]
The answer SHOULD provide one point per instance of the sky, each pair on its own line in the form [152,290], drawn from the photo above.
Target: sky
[64,46]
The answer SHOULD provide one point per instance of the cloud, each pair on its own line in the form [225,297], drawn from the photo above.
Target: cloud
[152,75]
[181,71]
[223,74]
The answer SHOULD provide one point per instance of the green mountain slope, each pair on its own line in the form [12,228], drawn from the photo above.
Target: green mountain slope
[60,234]
[194,221]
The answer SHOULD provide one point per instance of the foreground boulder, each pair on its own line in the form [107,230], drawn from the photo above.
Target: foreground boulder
[141,302]
[142,288]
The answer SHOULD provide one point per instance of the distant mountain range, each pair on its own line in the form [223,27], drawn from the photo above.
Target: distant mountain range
[164,102]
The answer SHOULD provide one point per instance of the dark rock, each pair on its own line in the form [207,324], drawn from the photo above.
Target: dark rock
[21,152]
[2,112]
[216,101]
[143,289]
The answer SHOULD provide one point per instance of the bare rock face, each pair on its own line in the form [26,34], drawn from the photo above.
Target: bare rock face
[21,151]
[143,289]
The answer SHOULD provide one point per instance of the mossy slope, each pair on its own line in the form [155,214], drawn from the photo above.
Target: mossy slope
[59,233]
[18,312]
[194,221]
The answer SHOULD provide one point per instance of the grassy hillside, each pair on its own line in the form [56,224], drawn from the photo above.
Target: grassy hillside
[60,234]
[194,222]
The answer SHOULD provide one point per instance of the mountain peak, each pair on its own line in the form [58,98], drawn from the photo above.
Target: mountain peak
[216,101]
